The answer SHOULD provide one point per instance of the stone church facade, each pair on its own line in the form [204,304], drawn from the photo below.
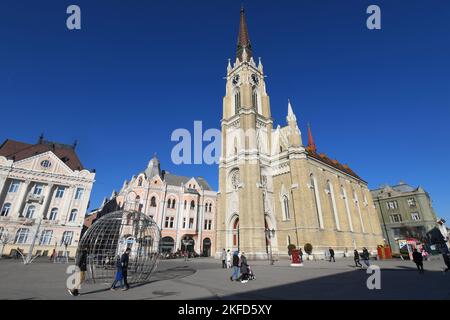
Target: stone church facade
[270,180]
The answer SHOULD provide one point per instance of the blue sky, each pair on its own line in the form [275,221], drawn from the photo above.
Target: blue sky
[377,100]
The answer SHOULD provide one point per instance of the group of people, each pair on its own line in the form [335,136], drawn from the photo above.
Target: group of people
[365,256]
[241,270]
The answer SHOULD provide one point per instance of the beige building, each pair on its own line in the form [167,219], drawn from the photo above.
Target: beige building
[184,208]
[269,180]
[44,195]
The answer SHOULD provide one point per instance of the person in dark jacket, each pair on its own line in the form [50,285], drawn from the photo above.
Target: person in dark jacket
[356,258]
[235,274]
[366,257]
[124,261]
[82,265]
[119,275]
[331,254]
[244,268]
[418,260]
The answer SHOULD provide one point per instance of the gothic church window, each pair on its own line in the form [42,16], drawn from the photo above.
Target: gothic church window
[153,202]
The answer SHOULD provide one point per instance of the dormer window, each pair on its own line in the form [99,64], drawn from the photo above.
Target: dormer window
[46,164]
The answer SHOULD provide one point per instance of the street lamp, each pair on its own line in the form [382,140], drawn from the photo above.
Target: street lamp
[269,235]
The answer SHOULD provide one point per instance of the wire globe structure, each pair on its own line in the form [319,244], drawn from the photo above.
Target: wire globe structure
[108,238]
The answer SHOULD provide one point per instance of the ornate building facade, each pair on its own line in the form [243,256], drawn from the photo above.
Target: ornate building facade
[44,195]
[184,208]
[270,181]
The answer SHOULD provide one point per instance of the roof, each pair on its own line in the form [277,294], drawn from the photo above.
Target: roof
[334,163]
[400,188]
[243,39]
[16,151]
[174,180]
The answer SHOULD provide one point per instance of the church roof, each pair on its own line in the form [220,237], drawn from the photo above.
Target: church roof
[16,151]
[334,163]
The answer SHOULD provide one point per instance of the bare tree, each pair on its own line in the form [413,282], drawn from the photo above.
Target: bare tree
[6,237]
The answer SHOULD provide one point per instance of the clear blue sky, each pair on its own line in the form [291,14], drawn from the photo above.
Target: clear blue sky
[377,100]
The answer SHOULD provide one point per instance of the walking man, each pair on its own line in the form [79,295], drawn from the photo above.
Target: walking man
[82,265]
[224,258]
[418,260]
[124,261]
[235,274]
[119,276]
[332,254]
[356,258]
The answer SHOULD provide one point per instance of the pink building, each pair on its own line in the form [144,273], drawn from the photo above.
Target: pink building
[183,207]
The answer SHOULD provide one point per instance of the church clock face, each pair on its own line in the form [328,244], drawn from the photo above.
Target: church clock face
[255,79]
[236,80]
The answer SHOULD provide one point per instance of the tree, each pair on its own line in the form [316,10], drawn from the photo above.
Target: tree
[6,237]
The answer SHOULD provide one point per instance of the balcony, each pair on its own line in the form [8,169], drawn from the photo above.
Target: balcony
[35,198]
[26,221]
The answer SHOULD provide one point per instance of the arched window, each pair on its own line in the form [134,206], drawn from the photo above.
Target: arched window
[210,207]
[153,202]
[5,209]
[137,203]
[185,204]
[255,100]
[237,102]
[73,215]
[30,212]
[173,203]
[192,205]
[347,209]
[22,236]
[169,203]
[140,182]
[315,196]
[53,214]
[287,215]
[332,202]
[236,233]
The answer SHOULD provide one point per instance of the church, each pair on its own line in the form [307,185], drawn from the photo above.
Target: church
[273,189]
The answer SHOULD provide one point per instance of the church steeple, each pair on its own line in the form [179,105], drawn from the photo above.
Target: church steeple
[311,144]
[244,40]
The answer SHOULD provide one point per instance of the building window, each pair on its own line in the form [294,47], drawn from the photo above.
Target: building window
[53,214]
[38,189]
[169,202]
[60,192]
[191,223]
[285,204]
[166,223]
[411,202]
[30,212]
[46,164]
[5,209]
[79,193]
[171,222]
[210,225]
[73,215]
[333,207]
[415,216]
[67,238]
[184,223]
[396,218]
[192,205]
[153,202]
[185,204]
[22,236]
[46,237]
[392,204]
[205,225]
[237,102]
[14,186]
[173,203]
[255,100]
[316,201]
[140,182]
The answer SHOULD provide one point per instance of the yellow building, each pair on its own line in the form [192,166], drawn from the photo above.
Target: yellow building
[269,180]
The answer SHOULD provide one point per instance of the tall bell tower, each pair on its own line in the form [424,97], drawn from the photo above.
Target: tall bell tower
[246,149]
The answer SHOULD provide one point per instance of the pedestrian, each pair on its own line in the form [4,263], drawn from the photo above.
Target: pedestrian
[119,275]
[235,274]
[228,259]
[356,258]
[185,255]
[332,254]
[424,254]
[82,266]
[53,255]
[300,253]
[224,258]
[366,257]
[418,260]
[124,261]
[244,269]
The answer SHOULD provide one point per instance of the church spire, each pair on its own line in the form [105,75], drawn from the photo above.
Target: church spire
[311,144]
[244,39]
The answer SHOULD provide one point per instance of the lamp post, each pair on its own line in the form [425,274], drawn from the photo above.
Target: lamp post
[269,235]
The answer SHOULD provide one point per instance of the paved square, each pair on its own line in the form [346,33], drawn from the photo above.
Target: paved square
[203,278]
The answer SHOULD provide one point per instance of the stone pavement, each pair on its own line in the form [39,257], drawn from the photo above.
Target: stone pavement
[203,278]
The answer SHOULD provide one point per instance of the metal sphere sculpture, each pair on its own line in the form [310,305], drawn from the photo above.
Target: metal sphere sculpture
[108,238]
